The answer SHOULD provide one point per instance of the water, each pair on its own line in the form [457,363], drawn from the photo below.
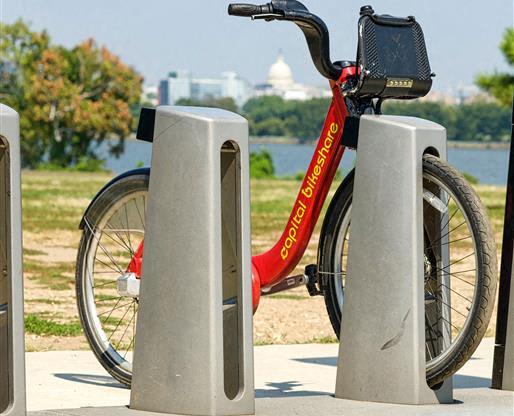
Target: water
[489,166]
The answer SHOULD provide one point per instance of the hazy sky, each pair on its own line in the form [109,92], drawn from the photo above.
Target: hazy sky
[156,36]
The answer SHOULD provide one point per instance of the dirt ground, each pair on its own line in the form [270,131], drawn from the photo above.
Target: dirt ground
[289,317]
[51,239]
[285,318]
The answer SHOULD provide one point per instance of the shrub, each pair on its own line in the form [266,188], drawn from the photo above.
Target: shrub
[261,165]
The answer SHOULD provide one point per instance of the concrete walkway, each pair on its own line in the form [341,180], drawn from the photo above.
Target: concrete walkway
[294,373]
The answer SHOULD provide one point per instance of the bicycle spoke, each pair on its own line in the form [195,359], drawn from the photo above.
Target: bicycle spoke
[454,291]
[455,262]
[107,300]
[114,309]
[105,284]
[448,233]
[429,326]
[115,231]
[140,217]
[120,321]
[448,243]
[127,327]
[102,247]
[451,307]
[457,277]
[127,230]
[116,241]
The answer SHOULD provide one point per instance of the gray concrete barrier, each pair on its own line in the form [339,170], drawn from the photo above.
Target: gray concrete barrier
[194,346]
[382,353]
[12,353]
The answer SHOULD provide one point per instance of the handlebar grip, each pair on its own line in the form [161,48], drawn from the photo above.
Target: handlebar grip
[248,10]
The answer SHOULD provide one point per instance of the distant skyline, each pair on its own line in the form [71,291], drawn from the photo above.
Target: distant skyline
[158,36]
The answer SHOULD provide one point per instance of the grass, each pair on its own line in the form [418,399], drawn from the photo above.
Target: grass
[45,327]
[29,252]
[313,340]
[54,202]
[45,196]
[56,276]
[45,301]
[287,297]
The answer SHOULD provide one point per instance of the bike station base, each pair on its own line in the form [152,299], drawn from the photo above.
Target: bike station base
[289,379]
[480,402]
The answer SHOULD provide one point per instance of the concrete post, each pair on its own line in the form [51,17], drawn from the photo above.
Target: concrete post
[382,350]
[194,347]
[12,350]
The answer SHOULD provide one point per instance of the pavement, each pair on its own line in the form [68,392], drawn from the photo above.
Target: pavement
[289,380]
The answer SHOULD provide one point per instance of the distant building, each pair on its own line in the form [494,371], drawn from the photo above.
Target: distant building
[462,94]
[280,82]
[181,84]
[435,96]
[150,95]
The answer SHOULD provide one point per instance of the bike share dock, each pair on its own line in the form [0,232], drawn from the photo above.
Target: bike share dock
[196,358]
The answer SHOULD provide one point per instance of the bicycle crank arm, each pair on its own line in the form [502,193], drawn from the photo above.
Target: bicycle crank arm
[286,284]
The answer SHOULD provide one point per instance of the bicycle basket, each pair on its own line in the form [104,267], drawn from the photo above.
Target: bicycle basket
[392,58]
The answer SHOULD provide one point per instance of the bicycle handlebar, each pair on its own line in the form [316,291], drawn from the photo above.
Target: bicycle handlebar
[314,29]
[248,10]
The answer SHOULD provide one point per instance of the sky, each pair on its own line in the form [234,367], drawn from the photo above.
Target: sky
[158,36]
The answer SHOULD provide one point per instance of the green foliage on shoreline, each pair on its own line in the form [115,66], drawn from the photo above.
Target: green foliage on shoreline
[69,99]
[226,103]
[261,165]
[477,121]
[83,164]
[273,116]
[501,84]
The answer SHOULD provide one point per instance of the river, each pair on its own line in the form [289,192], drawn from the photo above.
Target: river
[489,166]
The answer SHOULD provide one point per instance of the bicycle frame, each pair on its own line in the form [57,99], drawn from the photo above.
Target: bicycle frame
[274,265]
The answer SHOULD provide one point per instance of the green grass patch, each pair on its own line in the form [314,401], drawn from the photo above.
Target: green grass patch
[29,252]
[102,297]
[57,276]
[288,297]
[45,327]
[322,340]
[46,301]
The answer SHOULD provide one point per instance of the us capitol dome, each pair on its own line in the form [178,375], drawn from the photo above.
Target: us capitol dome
[281,82]
[280,74]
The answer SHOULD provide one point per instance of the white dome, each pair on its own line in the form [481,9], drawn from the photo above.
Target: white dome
[280,74]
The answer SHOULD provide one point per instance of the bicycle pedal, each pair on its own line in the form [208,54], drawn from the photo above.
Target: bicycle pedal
[313,283]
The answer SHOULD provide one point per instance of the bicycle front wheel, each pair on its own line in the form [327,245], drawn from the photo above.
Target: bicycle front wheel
[467,290]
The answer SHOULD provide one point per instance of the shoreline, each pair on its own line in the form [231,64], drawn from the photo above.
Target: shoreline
[451,143]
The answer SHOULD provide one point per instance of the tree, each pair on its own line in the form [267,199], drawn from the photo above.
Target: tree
[444,114]
[501,84]
[70,100]
[478,121]
[227,103]
[20,49]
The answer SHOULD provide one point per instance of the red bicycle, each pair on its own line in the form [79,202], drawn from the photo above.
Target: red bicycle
[391,63]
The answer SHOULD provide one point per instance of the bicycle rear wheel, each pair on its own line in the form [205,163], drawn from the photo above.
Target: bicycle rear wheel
[471,274]
[114,227]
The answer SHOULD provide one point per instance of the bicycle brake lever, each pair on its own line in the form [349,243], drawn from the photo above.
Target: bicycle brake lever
[267,16]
